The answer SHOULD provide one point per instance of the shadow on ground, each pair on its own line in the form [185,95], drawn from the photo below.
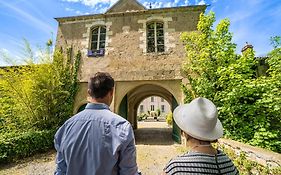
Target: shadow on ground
[154,136]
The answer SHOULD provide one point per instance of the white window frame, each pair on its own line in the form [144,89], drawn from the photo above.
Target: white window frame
[155,37]
[162,108]
[98,40]
[141,108]
[152,107]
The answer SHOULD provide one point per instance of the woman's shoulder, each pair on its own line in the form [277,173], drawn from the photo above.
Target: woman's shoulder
[190,157]
[197,157]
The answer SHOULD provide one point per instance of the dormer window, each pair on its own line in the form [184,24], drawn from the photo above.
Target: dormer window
[97,47]
[155,37]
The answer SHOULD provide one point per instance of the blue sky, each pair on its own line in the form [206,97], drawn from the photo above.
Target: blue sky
[254,21]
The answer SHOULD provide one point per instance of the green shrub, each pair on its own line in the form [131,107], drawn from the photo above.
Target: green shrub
[169,118]
[39,95]
[142,116]
[18,145]
[158,112]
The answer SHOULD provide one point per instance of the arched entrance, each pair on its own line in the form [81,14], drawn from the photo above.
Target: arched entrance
[130,101]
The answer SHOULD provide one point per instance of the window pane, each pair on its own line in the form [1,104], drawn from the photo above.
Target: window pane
[95,31]
[150,41]
[102,36]
[160,48]
[150,48]
[160,41]
[151,45]
[162,108]
[94,37]
[102,45]
[159,25]
[141,108]
[102,30]
[160,33]
[94,45]
[150,26]
[150,33]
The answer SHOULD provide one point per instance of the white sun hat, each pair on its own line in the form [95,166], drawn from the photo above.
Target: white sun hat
[199,119]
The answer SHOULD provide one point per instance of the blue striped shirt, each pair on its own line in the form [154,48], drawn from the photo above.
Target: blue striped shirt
[95,142]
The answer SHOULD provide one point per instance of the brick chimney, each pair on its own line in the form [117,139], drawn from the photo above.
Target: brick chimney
[247,46]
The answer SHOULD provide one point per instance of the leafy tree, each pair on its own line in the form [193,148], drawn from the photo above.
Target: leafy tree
[207,51]
[246,105]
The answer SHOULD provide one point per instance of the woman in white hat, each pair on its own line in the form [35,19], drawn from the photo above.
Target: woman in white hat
[200,126]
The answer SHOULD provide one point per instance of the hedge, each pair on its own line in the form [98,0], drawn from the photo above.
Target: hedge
[19,145]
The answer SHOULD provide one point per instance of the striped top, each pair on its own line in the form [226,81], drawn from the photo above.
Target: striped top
[200,163]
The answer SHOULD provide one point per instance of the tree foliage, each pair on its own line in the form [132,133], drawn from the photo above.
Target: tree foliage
[40,94]
[248,104]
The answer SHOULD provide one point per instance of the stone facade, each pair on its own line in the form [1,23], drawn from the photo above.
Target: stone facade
[126,57]
[126,42]
[154,103]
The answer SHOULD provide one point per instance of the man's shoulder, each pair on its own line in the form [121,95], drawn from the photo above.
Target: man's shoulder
[117,120]
[106,116]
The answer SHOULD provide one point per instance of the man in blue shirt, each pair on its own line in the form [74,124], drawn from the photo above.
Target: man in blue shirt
[96,141]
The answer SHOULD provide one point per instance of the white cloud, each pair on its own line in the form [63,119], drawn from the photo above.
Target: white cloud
[92,3]
[186,2]
[69,9]
[3,50]
[168,4]
[202,2]
[153,4]
[78,12]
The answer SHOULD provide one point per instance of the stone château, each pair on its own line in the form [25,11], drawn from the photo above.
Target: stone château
[139,47]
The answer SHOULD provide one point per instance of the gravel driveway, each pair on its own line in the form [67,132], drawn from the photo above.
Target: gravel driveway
[154,143]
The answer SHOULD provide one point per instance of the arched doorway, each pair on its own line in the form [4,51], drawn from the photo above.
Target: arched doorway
[131,100]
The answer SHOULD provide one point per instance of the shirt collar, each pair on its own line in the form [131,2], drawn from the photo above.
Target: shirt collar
[97,106]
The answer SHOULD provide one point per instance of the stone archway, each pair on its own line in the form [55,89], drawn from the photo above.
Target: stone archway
[142,92]
[134,92]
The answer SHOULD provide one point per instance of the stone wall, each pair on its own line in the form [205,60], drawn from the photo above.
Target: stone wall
[125,56]
[261,156]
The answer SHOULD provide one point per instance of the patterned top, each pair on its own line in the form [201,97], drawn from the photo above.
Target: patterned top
[200,163]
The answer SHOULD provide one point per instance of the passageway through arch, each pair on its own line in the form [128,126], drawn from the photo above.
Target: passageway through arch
[130,102]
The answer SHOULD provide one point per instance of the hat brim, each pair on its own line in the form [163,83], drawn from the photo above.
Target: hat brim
[198,133]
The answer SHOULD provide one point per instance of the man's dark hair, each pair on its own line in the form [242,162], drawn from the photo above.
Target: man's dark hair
[100,84]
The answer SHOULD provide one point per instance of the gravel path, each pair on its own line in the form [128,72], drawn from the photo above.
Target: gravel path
[154,143]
